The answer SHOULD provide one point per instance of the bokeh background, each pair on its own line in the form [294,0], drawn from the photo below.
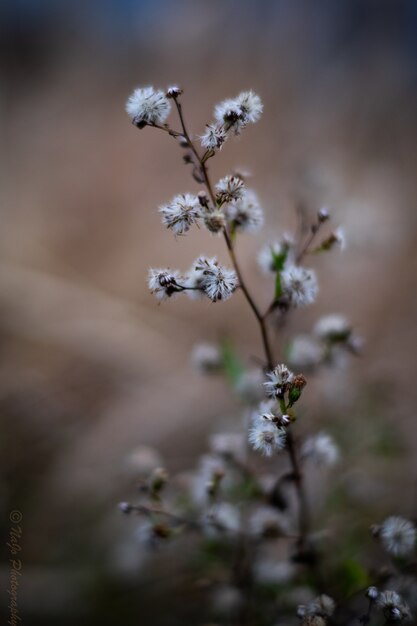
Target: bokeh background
[92,367]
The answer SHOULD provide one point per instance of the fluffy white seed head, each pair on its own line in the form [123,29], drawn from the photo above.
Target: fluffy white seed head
[181,213]
[236,113]
[265,437]
[321,449]
[251,106]
[214,136]
[230,188]
[222,520]
[299,285]
[278,382]
[398,536]
[305,353]
[324,605]
[332,328]
[164,283]
[393,606]
[207,357]
[267,522]
[217,281]
[228,445]
[148,106]
[245,214]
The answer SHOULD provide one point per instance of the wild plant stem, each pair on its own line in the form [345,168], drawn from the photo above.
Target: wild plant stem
[291,446]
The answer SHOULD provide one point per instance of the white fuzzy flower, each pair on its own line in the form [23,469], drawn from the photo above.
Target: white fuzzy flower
[305,353]
[266,437]
[193,285]
[222,519]
[398,536]
[230,188]
[332,328]
[266,521]
[246,215]
[278,382]
[148,106]
[270,571]
[228,445]
[207,357]
[299,284]
[181,213]
[163,283]
[236,113]
[217,281]
[323,605]
[249,386]
[214,137]
[322,449]
[210,468]
[393,606]
[267,254]
[251,106]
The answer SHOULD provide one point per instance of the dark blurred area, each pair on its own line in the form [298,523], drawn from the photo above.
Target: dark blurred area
[93,368]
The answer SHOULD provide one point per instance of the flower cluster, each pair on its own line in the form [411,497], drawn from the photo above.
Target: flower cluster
[232,498]
[232,116]
[148,106]
[206,277]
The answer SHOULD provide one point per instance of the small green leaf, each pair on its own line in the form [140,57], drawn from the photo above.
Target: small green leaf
[278,286]
[279,262]
[352,576]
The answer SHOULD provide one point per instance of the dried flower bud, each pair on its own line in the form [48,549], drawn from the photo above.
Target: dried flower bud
[323,215]
[125,507]
[203,198]
[215,221]
[174,91]
[158,480]
[162,531]
[372,593]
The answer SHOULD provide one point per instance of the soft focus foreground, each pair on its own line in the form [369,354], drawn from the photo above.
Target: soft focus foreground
[94,369]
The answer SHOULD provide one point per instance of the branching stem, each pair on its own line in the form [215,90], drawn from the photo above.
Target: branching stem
[261,319]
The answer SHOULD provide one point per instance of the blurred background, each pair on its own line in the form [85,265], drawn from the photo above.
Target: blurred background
[93,368]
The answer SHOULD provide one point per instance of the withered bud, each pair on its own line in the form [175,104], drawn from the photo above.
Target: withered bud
[158,480]
[174,92]
[162,531]
[215,221]
[299,381]
[323,215]
[203,198]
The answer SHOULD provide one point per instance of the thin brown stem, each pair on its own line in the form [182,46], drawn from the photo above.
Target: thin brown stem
[261,319]
[314,230]
[251,302]
[193,149]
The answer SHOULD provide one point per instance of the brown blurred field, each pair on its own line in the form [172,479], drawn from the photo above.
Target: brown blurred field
[92,366]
